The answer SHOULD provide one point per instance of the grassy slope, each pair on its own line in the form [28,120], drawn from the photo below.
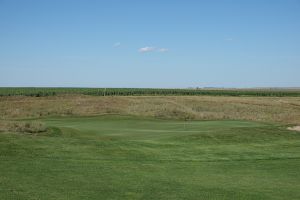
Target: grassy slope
[267,109]
[127,158]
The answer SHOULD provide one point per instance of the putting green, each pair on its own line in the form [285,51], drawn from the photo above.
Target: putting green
[119,157]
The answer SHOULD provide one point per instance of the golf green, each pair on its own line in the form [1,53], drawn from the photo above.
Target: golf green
[121,157]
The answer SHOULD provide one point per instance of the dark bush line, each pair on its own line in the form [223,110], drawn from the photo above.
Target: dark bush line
[41,92]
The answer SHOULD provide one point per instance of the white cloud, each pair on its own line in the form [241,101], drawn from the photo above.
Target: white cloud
[146,49]
[162,50]
[151,49]
[228,39]
[117,44]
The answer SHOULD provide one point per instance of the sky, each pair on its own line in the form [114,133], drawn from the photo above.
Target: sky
[151,44]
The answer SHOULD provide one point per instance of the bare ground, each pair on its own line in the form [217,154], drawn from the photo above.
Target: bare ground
[294,128]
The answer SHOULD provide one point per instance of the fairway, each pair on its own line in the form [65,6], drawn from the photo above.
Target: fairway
[122,157]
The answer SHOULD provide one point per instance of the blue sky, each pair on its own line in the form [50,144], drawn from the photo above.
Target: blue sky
[157,43]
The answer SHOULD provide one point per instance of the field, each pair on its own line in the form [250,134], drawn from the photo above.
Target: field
[75,146]
[114,157]
[40,91]
[284,110]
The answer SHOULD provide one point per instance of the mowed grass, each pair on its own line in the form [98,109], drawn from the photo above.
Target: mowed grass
[121,157]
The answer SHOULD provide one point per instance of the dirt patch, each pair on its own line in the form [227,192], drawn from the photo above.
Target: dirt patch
[294,128]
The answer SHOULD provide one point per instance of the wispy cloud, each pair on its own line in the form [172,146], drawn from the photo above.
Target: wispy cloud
[163,50]
[117,44]
[146,49]
[151,49]
[229,39]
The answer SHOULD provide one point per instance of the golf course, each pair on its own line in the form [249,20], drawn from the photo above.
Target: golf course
[149,100]
[128,157]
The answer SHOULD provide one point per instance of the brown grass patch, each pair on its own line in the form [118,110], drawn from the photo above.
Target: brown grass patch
[23,127]
[268,109]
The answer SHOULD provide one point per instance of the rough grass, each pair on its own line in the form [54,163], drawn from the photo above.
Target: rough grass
[117,157]
[266,109]
[23,127]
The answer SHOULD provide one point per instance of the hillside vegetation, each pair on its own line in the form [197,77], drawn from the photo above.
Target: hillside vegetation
[266,109]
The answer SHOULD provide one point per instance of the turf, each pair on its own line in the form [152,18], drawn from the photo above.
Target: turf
[118,157]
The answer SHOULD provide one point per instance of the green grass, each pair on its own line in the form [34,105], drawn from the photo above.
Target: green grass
[117,157]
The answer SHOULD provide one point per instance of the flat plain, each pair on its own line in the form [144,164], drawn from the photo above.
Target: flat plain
[151,148]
